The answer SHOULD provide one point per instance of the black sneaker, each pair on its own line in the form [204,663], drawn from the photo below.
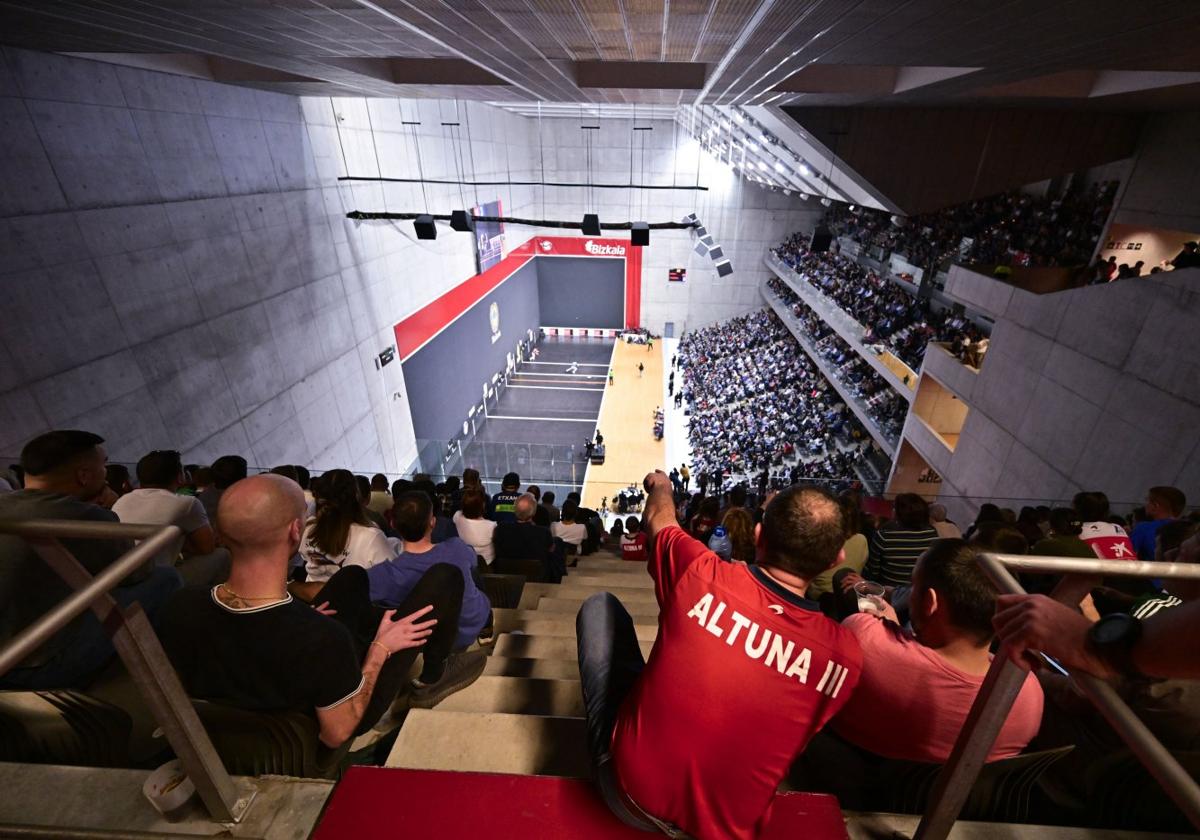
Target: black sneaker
[462,669]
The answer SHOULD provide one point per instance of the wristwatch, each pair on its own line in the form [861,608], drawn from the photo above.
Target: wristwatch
[1112,639]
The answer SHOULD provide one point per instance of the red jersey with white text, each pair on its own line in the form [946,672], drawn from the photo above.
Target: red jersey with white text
[743,674]
[1109,541]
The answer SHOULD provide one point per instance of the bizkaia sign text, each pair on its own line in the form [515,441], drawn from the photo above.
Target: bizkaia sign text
[604,250]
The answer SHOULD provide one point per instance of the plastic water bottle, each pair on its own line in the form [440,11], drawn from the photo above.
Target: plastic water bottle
[720,544]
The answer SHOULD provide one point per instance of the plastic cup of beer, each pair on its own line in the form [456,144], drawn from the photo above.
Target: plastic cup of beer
[870,596]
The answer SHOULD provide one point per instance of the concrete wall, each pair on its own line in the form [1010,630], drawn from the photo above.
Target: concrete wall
[178,271]
[743,218]
[1163,188]
[1088,389]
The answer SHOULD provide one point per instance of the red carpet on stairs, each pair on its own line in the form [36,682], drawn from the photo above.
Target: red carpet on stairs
[373,803]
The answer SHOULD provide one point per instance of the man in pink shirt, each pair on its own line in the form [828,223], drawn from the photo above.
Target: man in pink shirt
[917,687]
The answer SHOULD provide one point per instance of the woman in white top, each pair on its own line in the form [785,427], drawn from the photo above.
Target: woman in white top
[473,529]
[340,533]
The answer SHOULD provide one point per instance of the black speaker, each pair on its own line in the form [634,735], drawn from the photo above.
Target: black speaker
[591,225]
[426,229]
[821,240]
[639,234]
[724,269]
[462,221]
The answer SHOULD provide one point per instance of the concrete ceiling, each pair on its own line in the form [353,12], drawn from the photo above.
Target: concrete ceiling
[1085,53]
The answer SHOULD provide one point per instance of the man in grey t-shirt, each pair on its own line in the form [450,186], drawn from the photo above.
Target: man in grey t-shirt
[64,472]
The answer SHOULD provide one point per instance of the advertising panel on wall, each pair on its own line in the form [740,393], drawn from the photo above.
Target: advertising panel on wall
[489,236]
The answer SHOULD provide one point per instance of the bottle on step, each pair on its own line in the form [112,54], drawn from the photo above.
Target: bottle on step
[720,544]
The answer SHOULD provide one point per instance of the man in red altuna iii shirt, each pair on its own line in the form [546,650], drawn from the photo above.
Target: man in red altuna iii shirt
[745,670]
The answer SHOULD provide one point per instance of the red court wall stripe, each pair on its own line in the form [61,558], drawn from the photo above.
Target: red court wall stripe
[633,288]
[431,319]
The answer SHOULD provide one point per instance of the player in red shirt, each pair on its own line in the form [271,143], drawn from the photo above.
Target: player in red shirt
[745,670]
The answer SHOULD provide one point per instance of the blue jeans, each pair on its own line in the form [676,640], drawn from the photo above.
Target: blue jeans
[88,647]
[610,660]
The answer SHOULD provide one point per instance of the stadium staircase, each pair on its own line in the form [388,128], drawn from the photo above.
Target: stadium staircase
[508,755]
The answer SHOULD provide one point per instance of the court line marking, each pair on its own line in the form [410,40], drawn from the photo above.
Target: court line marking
[558,388]
[542,419]
[551,381]
[519,372]
[565,364]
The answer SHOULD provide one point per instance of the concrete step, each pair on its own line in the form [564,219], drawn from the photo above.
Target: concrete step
[608,579]
[518,696]
[566,627]
[628,594]
[545,647]
[482,742]
[622,566]
[640,611]
[540,669]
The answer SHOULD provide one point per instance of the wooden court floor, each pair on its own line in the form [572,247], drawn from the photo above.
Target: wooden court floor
[627,423]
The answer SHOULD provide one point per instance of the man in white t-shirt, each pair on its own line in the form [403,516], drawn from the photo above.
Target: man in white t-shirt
[568,530]
[156,502]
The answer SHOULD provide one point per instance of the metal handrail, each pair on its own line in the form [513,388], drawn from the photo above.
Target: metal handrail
[134,640]
[154,540]
[1004,681]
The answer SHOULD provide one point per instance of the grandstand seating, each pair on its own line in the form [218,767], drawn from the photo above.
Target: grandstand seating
[1011,228]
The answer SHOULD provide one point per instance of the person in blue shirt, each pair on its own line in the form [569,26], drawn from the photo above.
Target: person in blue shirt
[503,502]
[1163,504]
[391,582]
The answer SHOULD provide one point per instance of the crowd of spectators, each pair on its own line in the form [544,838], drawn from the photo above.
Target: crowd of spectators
[758,406]
[937,619]
[893,614]
[1011,228]
[890,317]
[265,561]
[880,400]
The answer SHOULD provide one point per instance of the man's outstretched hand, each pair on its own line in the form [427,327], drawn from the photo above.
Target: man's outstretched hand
[1036,623]
[657,479]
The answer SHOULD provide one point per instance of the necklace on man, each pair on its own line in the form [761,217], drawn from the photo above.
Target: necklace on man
[233,594]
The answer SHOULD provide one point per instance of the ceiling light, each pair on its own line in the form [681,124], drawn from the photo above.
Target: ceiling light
[778,166]
[804,170]
[762,166]
[751,146]
[738,115]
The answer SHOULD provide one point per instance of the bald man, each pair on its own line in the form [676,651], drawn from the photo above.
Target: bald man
[247,643]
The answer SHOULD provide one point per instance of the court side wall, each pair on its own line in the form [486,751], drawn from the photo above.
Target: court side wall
[581,291]
[446,376]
